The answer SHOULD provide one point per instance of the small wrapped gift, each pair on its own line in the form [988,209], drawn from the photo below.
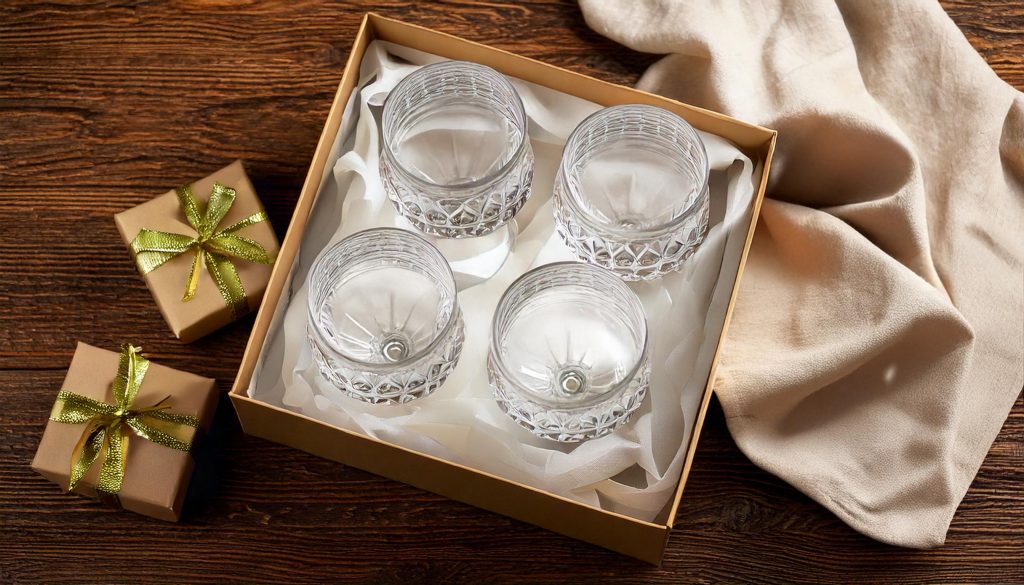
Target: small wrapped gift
[205,250]
[121,430]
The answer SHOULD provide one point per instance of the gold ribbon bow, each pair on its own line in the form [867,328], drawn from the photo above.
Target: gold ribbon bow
[152,248]
[107,425]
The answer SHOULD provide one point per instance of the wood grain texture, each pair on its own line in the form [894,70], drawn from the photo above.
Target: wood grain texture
[104,105]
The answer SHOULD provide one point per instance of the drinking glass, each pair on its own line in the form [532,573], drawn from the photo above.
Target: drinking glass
[631,194]
[456,158]
[568,357]
[384,321]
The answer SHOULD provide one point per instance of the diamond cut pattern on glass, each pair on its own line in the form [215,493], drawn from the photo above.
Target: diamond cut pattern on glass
[639,259]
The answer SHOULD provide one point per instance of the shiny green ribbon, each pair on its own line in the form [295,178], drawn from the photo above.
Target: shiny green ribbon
[215,249]
[107,426]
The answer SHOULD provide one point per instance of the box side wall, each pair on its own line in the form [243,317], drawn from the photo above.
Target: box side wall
[637,539]
[747,136]
[766,155]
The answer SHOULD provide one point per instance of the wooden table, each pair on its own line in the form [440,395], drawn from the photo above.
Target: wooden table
[103,106]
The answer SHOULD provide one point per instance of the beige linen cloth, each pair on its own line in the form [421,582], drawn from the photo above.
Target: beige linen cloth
[877,344]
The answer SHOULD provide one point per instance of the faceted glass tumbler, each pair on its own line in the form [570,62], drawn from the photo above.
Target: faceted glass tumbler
[631,194]
[384,321]
[568,357]
[456,159]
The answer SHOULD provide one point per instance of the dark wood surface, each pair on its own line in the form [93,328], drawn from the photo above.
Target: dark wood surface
[103,105]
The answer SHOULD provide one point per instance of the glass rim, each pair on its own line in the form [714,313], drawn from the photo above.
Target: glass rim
[605,229]
[441,335]
[503,170]
[612,280]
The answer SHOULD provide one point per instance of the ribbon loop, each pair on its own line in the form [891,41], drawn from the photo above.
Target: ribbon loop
[105,436]
[151,248]
[75,409]
[221,200]
[131,370]
[191,206]
[239,247]
[213,249]
[242,223]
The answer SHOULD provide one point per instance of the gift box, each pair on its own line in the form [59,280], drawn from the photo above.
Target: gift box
[122,429]
[205,251]
[642,539]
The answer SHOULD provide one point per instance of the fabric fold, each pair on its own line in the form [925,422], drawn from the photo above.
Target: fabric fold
[877,345]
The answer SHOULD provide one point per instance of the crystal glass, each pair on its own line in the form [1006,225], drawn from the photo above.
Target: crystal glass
[384,321]
[568,357]
[456,158]
[631,193]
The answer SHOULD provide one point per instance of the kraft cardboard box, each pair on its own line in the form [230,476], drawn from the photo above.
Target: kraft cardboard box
[207,311]
[640,539]
[156,477]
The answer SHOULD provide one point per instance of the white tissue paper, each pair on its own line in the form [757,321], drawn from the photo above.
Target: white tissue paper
[633,471]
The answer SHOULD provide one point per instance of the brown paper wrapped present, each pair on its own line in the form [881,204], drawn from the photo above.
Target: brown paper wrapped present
[205,251]
[155,471]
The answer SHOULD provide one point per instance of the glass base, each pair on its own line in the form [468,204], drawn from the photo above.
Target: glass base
[400,385]
[571,425]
